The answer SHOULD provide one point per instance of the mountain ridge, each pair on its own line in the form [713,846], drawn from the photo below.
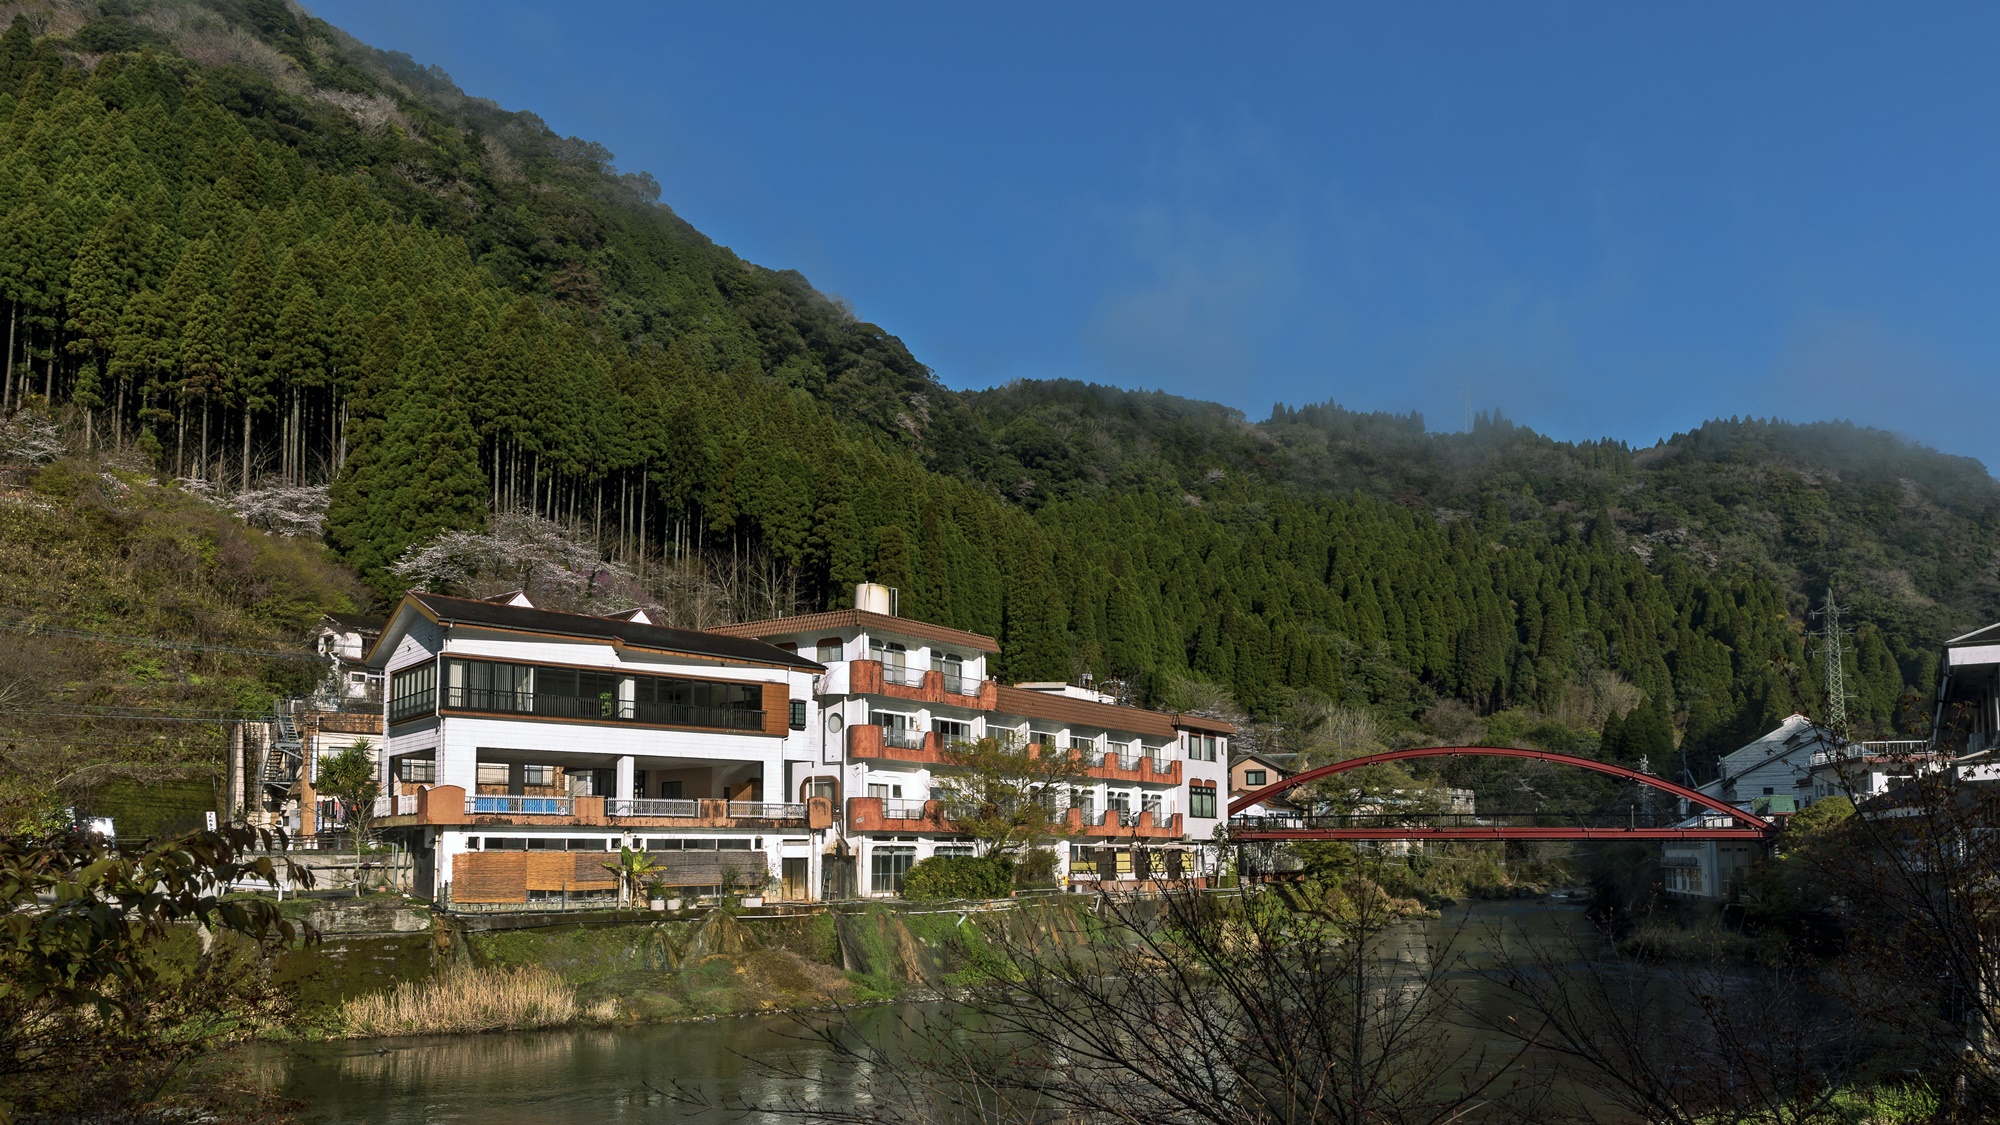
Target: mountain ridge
[251,250]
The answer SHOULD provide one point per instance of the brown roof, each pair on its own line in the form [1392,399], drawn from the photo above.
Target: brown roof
[1204,723]
[1110,716]
[496,615]
[859,619]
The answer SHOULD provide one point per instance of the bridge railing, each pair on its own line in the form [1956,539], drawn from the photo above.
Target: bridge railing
[1634,818]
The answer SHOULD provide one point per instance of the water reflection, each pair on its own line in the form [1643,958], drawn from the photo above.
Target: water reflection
[557,1077]
[627,1075]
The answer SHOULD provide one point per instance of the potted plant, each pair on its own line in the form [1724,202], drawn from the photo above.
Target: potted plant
[656,897]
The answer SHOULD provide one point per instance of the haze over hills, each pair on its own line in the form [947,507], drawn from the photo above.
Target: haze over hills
[252,250]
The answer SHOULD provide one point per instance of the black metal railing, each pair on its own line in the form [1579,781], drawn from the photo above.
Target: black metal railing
[603,707]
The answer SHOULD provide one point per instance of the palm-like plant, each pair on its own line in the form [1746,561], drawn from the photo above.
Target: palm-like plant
[631,868]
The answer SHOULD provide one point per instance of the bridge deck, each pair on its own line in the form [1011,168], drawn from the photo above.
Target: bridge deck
[1498,832]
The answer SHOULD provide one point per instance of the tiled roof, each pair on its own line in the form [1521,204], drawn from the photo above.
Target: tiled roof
[1110,716]
[497,615]
[860,619]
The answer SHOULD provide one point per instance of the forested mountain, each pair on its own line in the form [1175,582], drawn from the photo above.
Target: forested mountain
[254,251]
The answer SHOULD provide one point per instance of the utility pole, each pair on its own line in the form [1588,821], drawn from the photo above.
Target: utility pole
[1833,651]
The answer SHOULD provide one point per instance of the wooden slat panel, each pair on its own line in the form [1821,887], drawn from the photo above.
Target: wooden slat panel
[704,868]
[490,877]
[777,709]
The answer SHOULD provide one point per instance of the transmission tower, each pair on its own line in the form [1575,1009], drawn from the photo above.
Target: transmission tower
[1833,651]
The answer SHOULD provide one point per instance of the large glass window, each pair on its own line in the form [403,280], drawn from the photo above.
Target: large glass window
[575,693]
[887,865]
[414,692]
[481,686]
[698,703]
[583,693]
[1201,801]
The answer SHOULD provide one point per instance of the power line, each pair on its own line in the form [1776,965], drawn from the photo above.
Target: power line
[32,629]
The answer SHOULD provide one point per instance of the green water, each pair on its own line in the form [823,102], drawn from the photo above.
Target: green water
[634,1074]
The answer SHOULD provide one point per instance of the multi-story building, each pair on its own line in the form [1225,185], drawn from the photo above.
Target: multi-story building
[524,745]
[898,693]
[796,756]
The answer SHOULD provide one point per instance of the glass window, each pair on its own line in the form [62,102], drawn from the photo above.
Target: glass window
[1201,801]
[1150,803]
[798,718]
[414,692]
[951,730]
[416,769]
[887,865]
[830,650]
[538,775]
[1254,779]
[494,773]
[953,850]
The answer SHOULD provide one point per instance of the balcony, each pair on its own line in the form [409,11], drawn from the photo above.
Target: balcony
[1123,824]
[450,805]
[601,709]
[873,677]
[1142,768]
[868,741]
[519,806]
[890,814]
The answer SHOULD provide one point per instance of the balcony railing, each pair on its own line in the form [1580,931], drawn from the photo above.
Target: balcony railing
[688,715]
[653,806]
[902,675]
[902,810]
[767,810]
[1093,816]
[904,738]
[602,707]
[385,805]
[521,806]
[1127,818]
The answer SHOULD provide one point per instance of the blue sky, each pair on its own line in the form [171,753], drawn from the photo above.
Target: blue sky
[1599,219]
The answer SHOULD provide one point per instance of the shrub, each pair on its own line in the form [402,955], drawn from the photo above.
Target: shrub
[468,1000]
[1035,868]
[959,876]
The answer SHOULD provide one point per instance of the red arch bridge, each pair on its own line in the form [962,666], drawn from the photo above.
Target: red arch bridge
[1716,821]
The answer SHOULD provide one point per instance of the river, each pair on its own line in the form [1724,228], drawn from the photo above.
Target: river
[631,1074]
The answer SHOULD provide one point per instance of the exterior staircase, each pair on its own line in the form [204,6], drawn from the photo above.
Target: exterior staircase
[286,752]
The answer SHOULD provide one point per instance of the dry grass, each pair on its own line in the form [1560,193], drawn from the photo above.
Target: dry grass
[471,1000]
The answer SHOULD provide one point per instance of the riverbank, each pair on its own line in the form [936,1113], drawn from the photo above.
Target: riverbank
[391,966]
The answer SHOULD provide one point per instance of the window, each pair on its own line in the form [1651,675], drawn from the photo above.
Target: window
[887,866]
[494,773]
[415,693]
[798,714]
[820,787]
[538,775]
[1150,802]
[1768,791]
[1254,779]
[946,850]
[581,693]
[416,769]
[1118,799]
[670,790]
[1201,801]
[1201,747]
[877,789]
[699,703]
[951,730]
[830,650]
[481,686]
[951,666]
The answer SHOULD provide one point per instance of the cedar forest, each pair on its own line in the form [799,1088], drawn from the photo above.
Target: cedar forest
[247,249]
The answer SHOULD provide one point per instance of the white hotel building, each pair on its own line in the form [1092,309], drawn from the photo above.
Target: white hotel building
[792,757]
